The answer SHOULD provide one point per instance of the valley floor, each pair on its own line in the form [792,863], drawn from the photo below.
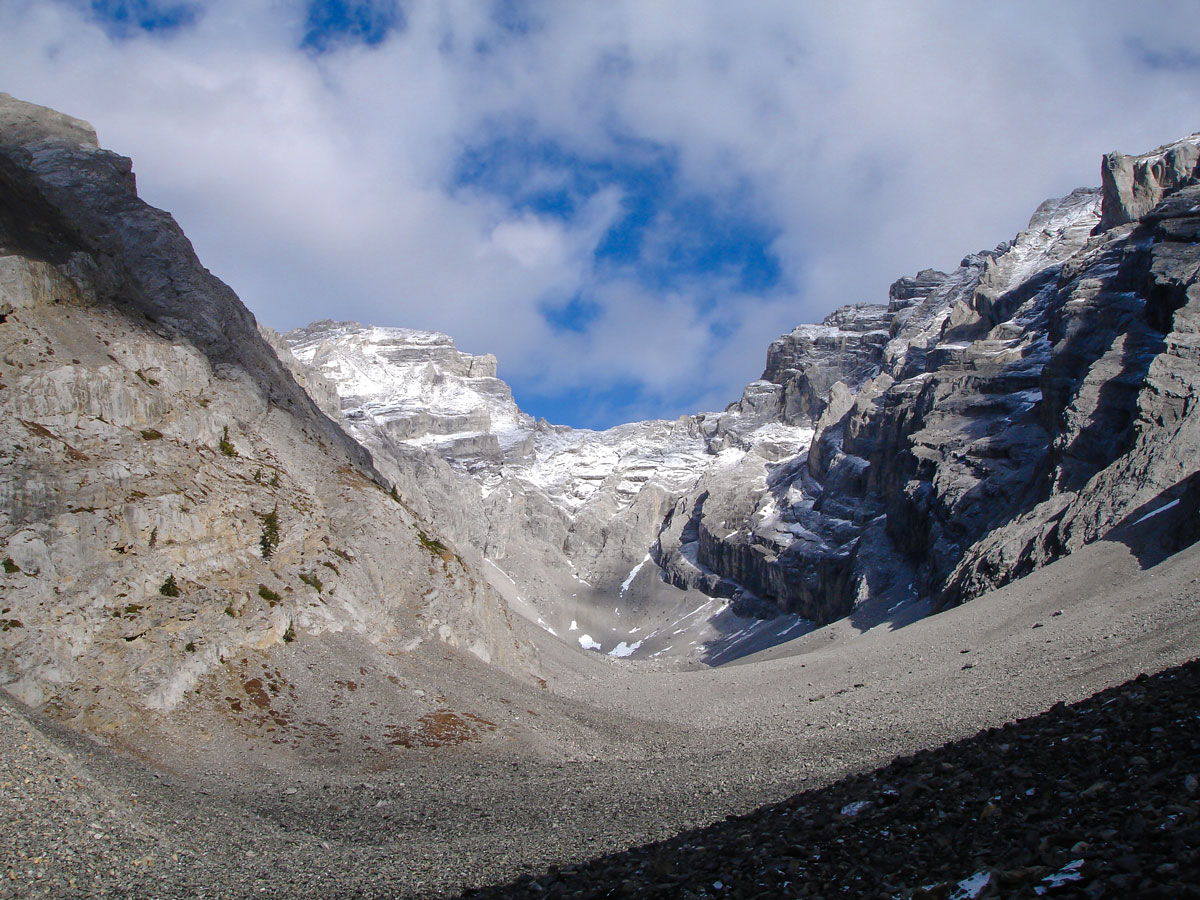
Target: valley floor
[617,755]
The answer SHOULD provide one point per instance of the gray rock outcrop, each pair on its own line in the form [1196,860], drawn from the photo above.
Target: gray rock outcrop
[563,517]
[1017,408]
[1134,185]
[899,456]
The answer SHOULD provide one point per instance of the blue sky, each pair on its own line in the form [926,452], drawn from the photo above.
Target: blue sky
[123,19]
[625,202]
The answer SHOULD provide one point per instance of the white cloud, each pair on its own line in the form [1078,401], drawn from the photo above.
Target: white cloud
[872,139]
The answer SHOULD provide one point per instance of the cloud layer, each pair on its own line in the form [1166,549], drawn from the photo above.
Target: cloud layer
[625,201]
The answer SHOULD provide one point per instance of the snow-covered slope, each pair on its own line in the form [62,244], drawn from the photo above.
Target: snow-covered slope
[417,387]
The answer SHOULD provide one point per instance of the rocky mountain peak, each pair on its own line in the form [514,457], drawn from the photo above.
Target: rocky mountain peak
[23,124]
[867,469]
[415,386]
[1134,185]
[895,456]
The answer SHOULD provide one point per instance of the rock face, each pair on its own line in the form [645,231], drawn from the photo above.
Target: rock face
[905,455]
[415,386]
[175,508]
[1134,185]
[984,423]
[380,483]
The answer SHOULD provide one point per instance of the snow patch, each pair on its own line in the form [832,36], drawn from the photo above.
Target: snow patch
[1068,873]
[633,574]
[970,888]
[623,649]
[586,642]
[1161,509]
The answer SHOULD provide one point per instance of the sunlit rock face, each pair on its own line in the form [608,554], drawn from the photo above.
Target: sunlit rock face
[1016,408]
[174,508]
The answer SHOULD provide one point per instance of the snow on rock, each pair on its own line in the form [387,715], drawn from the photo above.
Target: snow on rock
[586,642]
[633,573]
[623,649]
[1068,873]
[1162,509]
[970,888]
[573,465]
[416,386]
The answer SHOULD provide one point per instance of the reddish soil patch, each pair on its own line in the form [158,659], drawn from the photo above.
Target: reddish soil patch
[443,728]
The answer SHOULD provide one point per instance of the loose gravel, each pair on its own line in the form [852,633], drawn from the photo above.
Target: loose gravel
[604,784]
[1096,799]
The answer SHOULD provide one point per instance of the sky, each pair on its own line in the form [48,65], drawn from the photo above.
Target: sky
[625,201]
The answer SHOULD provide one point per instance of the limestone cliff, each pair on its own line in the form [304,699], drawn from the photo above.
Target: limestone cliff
[177,514]
[560,518]
[186,492]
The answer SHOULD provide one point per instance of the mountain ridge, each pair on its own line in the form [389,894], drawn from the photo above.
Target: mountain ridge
[900,451]
[174,504]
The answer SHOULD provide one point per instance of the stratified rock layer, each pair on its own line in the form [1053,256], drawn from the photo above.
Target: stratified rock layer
[560,519]
[984,423]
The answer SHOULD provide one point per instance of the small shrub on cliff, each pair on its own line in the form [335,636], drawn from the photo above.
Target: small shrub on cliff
[311,580]
[10,567]
[225,445]
[269,595]
[270,532]
[433,545]
[290,634]
[151,434]
[169,587]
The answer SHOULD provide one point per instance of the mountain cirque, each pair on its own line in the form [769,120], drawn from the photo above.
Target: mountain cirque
[295,618]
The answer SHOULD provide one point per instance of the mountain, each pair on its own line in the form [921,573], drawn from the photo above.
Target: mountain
[175,509]
[269,613]
[564,519]
[895,459]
